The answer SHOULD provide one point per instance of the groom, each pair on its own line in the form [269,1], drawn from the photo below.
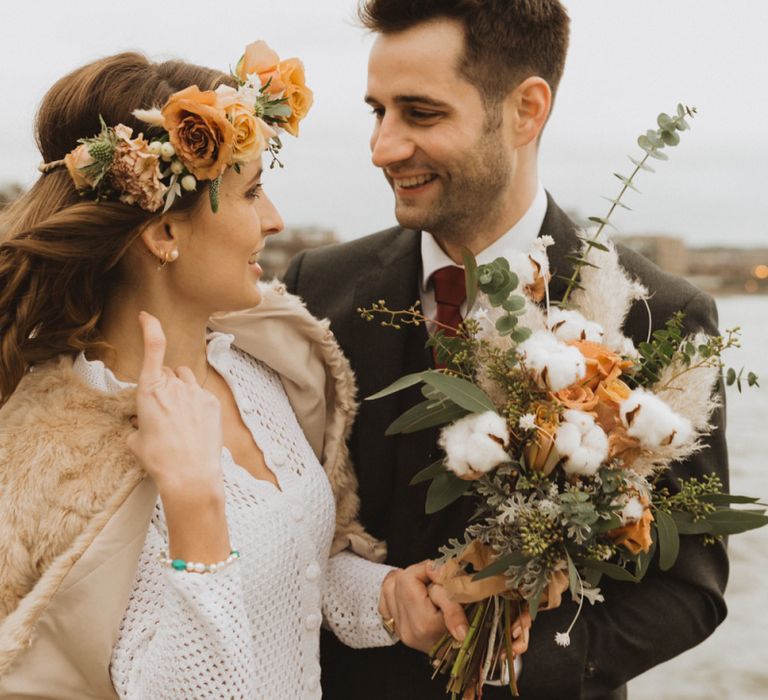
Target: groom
[461,90]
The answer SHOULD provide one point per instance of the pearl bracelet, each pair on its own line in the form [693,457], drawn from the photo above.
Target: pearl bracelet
[198,567]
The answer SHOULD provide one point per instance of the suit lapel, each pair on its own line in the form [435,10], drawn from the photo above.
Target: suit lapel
[563,231]
[379,351]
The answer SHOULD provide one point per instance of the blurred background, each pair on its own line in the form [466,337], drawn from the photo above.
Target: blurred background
[701,215]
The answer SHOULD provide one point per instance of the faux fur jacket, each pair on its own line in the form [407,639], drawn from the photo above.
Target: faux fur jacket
[75,505]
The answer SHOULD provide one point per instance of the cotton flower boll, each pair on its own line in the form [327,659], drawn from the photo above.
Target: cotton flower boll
[632,511]
[582,442]
[474,445]
[554,364]
[653,422]
[570,325]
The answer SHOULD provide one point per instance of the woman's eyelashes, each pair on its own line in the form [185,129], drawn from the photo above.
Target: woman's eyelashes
[254,192]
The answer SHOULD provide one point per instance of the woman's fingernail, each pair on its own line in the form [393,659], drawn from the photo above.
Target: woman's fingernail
[461,632]
[517,632]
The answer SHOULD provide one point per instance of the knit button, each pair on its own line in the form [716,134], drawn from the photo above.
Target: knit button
[313,681]
[312,621]
[278,456]
[312,572]
[297,512]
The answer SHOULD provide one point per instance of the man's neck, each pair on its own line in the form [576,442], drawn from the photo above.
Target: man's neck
[485,233]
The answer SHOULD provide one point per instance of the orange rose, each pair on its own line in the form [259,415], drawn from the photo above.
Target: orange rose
[582,398]
[636,537]
[261,60]
[614,391]
[250,134]
[199,131]
[603,365]
[299,97]
[77,160]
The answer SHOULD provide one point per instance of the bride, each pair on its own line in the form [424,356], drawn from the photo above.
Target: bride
[178,510]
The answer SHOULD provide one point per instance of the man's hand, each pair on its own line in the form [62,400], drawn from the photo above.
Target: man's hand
[420,608]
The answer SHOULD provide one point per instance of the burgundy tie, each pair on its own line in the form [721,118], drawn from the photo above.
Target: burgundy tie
[450,294]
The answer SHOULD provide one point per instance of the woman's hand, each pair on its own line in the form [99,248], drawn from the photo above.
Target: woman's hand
[421,609]
[179,434]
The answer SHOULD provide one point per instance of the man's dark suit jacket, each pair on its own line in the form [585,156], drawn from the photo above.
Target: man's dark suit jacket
[637,627]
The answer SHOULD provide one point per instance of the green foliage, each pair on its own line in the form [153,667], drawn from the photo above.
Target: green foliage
[444,490]
[652,142]
[665,347]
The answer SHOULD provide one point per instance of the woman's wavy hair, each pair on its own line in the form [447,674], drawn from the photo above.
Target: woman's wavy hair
[59,252]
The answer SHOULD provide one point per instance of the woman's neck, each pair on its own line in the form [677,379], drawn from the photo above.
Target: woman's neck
[184,331]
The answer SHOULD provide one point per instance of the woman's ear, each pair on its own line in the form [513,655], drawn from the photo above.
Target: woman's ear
[528,107]
[161,239]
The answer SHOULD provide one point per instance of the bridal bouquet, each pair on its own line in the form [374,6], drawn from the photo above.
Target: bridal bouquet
[559,426]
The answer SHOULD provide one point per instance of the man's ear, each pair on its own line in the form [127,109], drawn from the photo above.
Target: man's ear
[161,238]
[528,107]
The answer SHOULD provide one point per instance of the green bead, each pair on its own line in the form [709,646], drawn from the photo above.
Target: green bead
[179,564]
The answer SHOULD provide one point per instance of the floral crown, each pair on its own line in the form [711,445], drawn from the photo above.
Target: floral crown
[202,134]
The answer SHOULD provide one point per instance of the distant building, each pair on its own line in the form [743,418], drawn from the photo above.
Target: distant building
[281,248]
[668,252]
[718,270]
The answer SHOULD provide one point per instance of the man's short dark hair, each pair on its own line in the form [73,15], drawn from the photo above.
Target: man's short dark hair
[506,41]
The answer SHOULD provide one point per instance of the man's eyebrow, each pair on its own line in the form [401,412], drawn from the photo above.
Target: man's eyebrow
[411,99]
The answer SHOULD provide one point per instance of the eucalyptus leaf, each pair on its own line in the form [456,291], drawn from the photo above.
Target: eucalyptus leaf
[723,499]
[671,138]
[669,540]
[665,121]
[627,182]
[645,143]
[581,261]
[403,383]
[658,155]
[513,304]
[444,490]
[460,391]
[641,164]
[426,415]
[596,244]
[654,138]
[722,522]
[521,334]
[617,202]
[429,473]
[613,571]
[506,324]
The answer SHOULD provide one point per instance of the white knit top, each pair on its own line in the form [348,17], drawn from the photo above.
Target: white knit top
[250,630]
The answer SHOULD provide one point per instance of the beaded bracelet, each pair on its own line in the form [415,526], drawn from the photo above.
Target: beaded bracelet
[198,567]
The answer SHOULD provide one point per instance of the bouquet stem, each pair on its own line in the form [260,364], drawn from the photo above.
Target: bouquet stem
[480,657]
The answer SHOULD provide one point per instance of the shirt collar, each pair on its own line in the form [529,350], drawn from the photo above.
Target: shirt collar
[519,238]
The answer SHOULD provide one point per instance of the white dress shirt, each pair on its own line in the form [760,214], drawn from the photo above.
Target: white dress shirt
[519,238]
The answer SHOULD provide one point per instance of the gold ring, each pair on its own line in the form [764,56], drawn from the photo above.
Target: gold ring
[389,625]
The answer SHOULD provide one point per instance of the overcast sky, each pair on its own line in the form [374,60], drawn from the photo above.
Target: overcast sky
[629,60]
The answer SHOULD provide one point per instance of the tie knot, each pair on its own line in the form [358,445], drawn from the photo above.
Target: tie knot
[449,286]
